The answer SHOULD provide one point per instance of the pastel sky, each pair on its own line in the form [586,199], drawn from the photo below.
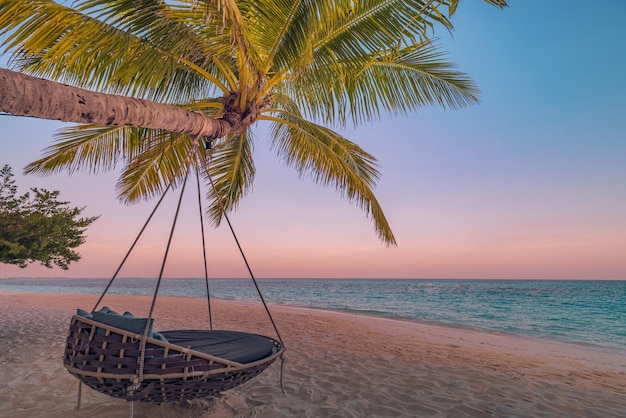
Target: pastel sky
[531,183]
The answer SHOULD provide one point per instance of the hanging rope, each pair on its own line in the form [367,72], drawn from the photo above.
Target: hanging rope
[138,378]
[232,230]
[144,337]
[256,285]
[80,393]
[106,289]
[206,270]
[167,248]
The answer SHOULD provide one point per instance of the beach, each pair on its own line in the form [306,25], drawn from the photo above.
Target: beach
[336,365]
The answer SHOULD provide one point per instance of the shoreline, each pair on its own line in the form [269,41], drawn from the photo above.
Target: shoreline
[338,363]
[456,326]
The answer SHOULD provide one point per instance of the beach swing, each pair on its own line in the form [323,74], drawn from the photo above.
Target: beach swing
[122,356]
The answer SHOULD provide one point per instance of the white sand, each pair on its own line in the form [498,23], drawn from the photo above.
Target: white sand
[337,365]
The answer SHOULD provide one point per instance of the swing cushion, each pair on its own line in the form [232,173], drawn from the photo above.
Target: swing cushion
[104,309]
[159,336]
[84,313]
[240,347]
[127,323]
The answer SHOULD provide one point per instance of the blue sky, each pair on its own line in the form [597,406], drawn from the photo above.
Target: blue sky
[530,183]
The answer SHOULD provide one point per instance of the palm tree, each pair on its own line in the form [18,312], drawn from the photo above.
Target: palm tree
[148,79]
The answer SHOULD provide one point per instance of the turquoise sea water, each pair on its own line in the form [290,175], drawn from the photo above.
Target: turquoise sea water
[591,313]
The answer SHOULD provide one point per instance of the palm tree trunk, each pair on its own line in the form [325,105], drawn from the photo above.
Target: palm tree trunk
[23,95]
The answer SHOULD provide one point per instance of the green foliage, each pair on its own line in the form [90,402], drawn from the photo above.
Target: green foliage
[304,66]
[36,226]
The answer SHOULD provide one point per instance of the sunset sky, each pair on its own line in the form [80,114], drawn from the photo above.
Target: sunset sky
[530,183]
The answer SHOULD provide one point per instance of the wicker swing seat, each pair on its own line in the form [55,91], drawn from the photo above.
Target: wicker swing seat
[190,364]
[121,356]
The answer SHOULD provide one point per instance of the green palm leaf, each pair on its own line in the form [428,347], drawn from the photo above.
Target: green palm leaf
[63,43]
[358,29]
[232,171]
[398,81]
[403,81]
[330,159]
[88,147]
[166,160]
[151,158]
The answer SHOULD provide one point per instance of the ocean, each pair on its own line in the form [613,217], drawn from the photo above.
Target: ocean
[584,312]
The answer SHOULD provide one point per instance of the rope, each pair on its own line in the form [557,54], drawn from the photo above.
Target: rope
[138,379]
[206,270]
[80,392]
[232,230]
[282,366]
[160,279]
[256,285]
[145,225]
[169,186]
[167,249]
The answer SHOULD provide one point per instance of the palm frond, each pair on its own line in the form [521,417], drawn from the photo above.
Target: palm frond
[51,40]
[151,158]
[160,163]
[231,170]
[281,29]
[359,28]
[397,81]
[90,148]
[455,3]
[403,81]
[330,159]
